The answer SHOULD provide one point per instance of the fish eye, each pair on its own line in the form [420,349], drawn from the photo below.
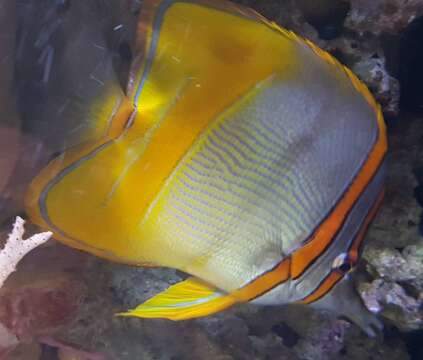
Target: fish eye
[343,263]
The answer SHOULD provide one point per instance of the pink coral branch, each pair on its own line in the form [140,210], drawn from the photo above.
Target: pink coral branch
[16,248]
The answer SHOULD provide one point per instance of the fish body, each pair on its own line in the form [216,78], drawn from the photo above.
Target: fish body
[238,153]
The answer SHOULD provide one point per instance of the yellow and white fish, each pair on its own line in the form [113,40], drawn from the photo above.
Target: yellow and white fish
[239,154]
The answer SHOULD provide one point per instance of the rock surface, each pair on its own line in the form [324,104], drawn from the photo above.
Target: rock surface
[41,297]
[353,31]
[243,332]
[393,256]
[382,16]
[84,293]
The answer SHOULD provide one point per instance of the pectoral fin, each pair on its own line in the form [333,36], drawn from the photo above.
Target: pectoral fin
[185,300]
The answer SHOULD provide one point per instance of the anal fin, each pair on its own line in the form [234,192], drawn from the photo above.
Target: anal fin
[185,300]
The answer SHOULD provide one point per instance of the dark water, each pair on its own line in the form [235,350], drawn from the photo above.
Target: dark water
[43,45]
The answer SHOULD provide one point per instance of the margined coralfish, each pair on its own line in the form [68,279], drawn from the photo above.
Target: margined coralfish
[239,154]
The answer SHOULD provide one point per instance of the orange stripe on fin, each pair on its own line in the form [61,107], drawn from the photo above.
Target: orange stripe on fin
[325,286]
[355,247]
[335,275]
[265,282]
[323,236]
[192,298]
[282,271]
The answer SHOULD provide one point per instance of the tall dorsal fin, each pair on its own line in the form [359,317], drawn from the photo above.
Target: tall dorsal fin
[357,83]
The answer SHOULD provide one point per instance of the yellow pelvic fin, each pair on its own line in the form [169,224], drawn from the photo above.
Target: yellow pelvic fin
[185,300]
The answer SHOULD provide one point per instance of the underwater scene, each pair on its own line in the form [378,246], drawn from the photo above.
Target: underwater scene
[211,179]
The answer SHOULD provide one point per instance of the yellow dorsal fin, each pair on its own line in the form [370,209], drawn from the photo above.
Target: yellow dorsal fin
[185,300]
[357,83]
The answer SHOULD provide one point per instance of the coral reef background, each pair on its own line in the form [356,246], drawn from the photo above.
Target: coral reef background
[61,294]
